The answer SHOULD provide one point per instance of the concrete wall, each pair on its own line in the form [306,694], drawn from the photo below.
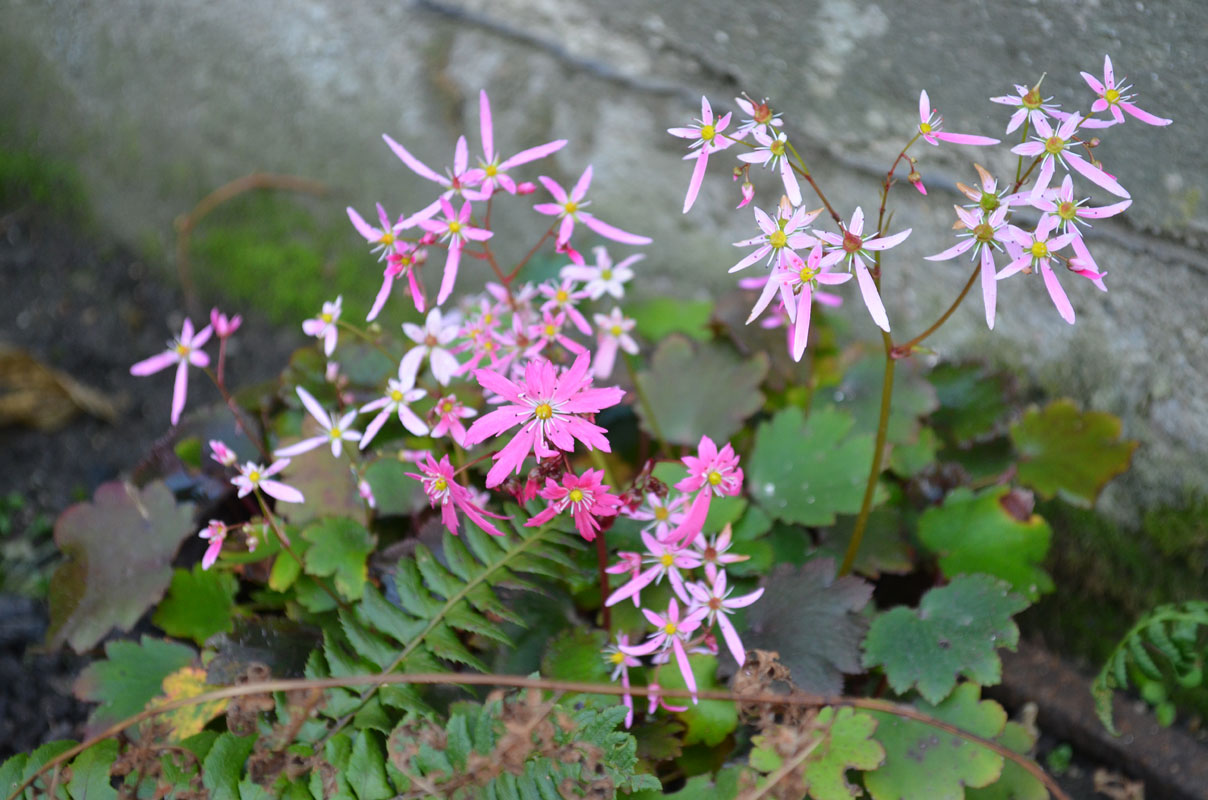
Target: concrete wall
[159,102]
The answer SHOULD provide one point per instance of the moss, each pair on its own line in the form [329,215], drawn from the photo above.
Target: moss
[27,178]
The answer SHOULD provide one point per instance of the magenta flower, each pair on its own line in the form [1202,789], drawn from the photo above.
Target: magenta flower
[671,634]
[254,476]
[655,700]
[1113,97]
[224,326]
[182,351]
[215,532]
[1054,147]
[854,249]
[325,325]
[492,169]
[630,564]
[222,454]
[708,137]
[432,340]
[443,490]
[569,208]
[603,277]
[585,496]
[716,601]
[335,432]
[1034,251]
[772,154]
[548,407]
[455,229]
[1030,106]
[983,233]
[710,472]
[930,123]
[779,237]
[449,413]
[405,258]
[561,297]
[798,284]
[665,560]
[400,394]
[549,331]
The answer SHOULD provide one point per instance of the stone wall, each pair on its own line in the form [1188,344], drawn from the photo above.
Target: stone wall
[158,102]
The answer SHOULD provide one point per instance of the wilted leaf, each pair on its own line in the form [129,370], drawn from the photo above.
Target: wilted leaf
[199,604]
[972,401]
[977,533]
[339,547]
[808,470]
[925,763]
[859,393]
[36,396]
[187,720]
[659,317]
[708,721]
[1067,450]
[955,631]
[118,549]
[1016,783]
[696,389]
[813,621]
[131,674]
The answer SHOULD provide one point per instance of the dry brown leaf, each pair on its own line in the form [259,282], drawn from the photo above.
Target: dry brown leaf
[36,396]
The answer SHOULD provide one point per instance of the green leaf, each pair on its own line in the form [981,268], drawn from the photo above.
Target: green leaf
[131,675]
[925,763]
[972,401]
[40,788]
[955,631]
[1016,783]
[883,548]
[394,492]
[848,746]
[723,786]
[222,767]
[328,486]
[285,572]
[199,604]
[1065,450]
[859,394]
[339,547]
[576,654]
[807,471]
[659,317]
[977,533]
[908,459]
[118,552]
[708,721]
[366,771]
[820,646]
[90,772]
[695,389]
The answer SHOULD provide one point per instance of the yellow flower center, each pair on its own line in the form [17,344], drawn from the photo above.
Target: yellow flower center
[777,148]
[396,396]
[667,559]
[714,478]
[182,350]
[570,206]
[326,317]
[807,274]
[606,274]
[983,233]
[707,132]
[1111,96]
[1067,210]
[576,495]
[1039,250]
[543,411]
[446,407]
[491,170]
[488,318]
[440,484]
[1054,145]
[924,127]
[616,330]
[562,296]
[661,514]
[617,658]
[778,239]
[550,330]
[454,226]
[387,238]
[669,628]
[334,433]
[254,476]
[488,346]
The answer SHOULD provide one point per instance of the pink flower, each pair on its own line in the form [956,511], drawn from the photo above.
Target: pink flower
[1054,147]
[334,431]
[772,154]
[981,232]
[182,351]
[457,180]
[549,331]
[779,236]
[384,239]
[852,248]
[548,407]
[1033,251]
[630,563]
[1113,97]
[450,412]
[569,208]
[665,560]
[254,476]
[437,332]
[711,472]
[366,493]
[325,325]
[585,496]
[798,282]
[216,532]
[454,228]
[620,663]
[671,634]
[663,515]
[443,490]
[405,258]
[748,194]
[561,297]
[715,553]
[222,454]
[492,170]
[1071,214]
[929,126]
[1031,106]
[705,135]
[613,329]
[603,277]
[655,700]
[717,601]
[223,326]
[400,394]
[759,116]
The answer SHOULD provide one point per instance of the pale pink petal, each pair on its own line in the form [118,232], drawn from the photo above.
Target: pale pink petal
[286,494]
[179,389]
[532,154]
[801,328]
[698,175]
[579,191]
[155,363]
[966,138]
[1144,116]
[1057,294]
[485,125]
[868,289]
[886,242]
[1095,175]
[413,163]
[375,425]
[316,410]
[732,640]
[989,283]
[450,276]
[611,232]
[304,446]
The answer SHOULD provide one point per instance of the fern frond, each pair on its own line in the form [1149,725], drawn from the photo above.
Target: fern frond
[1169,636]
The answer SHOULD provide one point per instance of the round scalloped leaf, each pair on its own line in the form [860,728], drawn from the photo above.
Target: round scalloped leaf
[859,392]
[977,533]
[659,317]
[972,402]
[129,676]
[694,389]
[849,745]
[199,604]
[923,762]
[955,631]
[1069,451]
[808,470]
[1016,783]
[118,553]
[339,547]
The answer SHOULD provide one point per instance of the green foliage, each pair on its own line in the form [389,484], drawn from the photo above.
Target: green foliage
[1167,643]
[707,721]
[49,184]
[1073,452]
[972,402]
[1016,783]
[979,533]
[90,772]
[818,647]
[859,393]
[923,763]
[955,632]
[129,677]
[820,755]
[118,550]
[699,389]
[808,470]
[339,548]
[659,317]
[199,604]
[223,765]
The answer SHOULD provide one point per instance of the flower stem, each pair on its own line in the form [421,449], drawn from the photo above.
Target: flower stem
[238,414]
[804,172]
[360,334]
[870,488]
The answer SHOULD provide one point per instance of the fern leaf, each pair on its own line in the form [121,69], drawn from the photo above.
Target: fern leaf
[1175,632]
